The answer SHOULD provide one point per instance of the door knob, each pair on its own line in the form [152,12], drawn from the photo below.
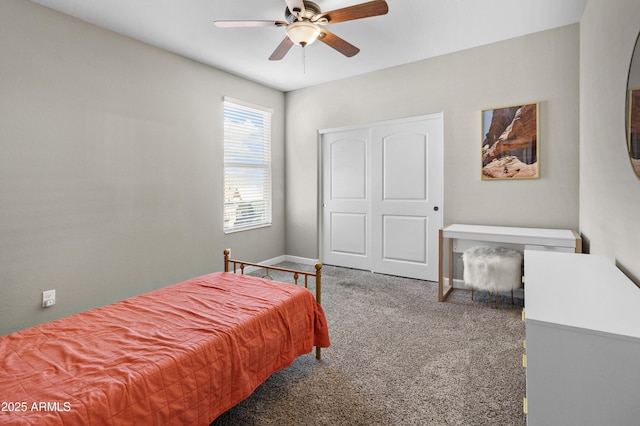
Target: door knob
[436,208]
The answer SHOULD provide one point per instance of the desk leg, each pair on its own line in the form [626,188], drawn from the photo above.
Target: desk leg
[444,245]
[578,242]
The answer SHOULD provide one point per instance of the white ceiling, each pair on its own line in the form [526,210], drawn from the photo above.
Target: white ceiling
[411,31]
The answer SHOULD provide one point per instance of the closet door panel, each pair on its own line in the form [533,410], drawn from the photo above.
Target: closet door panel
[406,198]
[346,199]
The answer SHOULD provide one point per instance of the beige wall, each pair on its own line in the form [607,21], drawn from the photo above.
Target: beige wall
[110,166]
[542,67]
[609,190]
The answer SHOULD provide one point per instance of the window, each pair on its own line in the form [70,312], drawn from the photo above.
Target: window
[247,166]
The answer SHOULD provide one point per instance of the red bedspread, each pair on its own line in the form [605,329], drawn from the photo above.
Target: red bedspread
[180,355]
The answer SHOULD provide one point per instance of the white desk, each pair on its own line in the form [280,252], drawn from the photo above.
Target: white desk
[583,341]
[529,238]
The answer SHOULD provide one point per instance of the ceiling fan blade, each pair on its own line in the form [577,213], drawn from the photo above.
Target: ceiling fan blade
[281,50]
[358,11]
[342,46]
[295,6]
[237,24]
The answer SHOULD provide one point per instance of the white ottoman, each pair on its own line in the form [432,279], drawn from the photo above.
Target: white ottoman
[492,269]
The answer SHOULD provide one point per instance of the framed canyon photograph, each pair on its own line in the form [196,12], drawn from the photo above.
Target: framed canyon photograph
[510,142]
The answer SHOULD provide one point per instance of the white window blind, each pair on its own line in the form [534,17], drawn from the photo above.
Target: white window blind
[247,166]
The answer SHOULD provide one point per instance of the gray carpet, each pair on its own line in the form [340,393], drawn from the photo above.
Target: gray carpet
[398,357]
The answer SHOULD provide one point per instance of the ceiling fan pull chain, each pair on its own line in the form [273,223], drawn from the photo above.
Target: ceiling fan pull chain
[304,60]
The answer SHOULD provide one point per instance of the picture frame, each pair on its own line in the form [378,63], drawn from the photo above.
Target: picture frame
[509,148]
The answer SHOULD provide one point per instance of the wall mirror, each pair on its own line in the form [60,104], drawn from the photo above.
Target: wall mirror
[633,109]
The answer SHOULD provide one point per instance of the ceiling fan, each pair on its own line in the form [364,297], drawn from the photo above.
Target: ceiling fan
[305,23]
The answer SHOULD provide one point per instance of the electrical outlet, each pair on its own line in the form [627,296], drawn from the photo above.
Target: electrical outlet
[48,298]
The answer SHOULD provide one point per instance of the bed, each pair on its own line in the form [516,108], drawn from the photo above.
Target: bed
[183,354]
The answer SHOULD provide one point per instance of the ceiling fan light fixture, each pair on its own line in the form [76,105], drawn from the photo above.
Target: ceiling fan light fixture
[303,32]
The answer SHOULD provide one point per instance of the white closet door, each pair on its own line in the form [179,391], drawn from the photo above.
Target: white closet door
[381,197]
[346,159]
[406,198]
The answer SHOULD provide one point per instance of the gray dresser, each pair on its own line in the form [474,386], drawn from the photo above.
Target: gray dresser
[582,349]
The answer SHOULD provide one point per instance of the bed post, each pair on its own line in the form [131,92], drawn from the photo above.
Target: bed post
[318,298]
[226,259]
[318,282]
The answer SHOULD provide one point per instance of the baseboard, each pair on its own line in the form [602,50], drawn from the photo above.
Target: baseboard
[302,260]
[457,283]
[275,260]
